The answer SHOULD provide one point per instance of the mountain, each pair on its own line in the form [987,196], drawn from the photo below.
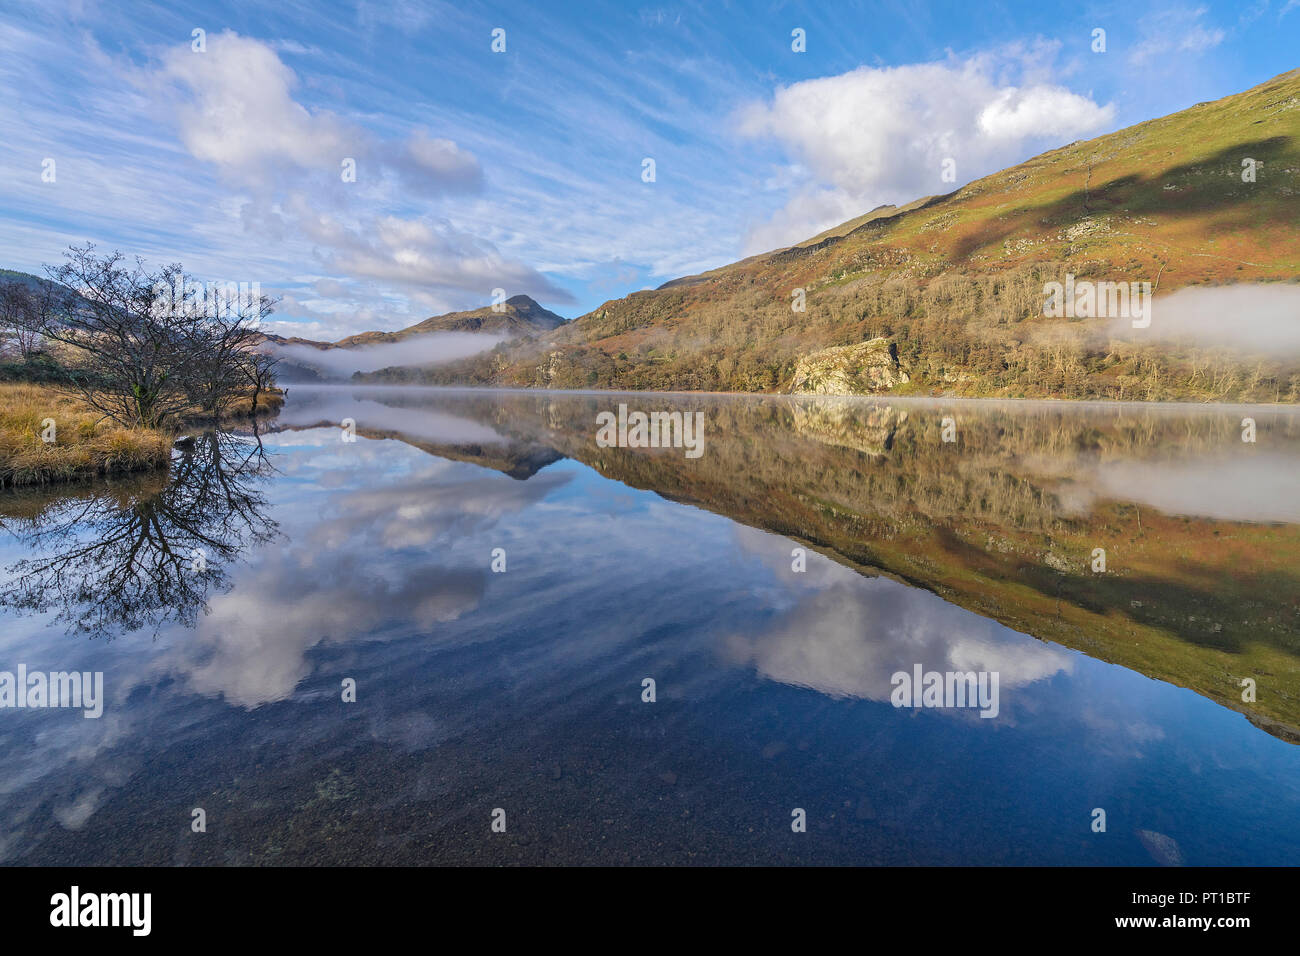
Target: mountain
[517,316]
[520,315]
[949,290]
[24,278]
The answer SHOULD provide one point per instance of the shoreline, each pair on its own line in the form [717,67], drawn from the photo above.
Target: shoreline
[1065,403]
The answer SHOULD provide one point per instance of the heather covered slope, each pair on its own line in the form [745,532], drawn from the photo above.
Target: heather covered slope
[955,282]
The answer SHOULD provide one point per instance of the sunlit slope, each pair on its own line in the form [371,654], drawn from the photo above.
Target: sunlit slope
[955,282]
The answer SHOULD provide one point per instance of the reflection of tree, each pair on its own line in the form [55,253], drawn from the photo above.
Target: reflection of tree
[107,564]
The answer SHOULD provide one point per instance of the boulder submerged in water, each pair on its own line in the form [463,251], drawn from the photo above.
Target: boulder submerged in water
[1163,849]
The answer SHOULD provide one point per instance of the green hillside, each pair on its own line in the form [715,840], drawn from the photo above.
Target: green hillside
[954,284]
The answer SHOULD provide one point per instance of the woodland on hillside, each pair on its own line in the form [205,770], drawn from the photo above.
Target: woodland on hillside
[958,334]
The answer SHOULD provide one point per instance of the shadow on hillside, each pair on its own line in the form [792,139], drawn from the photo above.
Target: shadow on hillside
[1135,194]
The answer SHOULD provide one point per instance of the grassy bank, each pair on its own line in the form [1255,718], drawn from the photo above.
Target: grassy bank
[83,445]
[86,445]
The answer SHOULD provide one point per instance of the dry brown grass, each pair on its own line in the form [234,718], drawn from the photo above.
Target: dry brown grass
[241,406]
[84,445]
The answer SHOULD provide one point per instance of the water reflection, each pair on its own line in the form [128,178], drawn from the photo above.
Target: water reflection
[846,637]
[522,688]
[1199,529]
[138,554]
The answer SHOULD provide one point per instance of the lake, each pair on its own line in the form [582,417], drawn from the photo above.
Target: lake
[425,626]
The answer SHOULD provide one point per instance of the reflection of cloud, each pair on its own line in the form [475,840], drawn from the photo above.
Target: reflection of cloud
[775,552]
[417,514]
[73,816]
[847,640]
[250,657]
[1251,486]
[347,572]
[1124,733]
[359,571]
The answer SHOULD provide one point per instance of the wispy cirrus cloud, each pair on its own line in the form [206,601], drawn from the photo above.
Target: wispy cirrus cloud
[525,167]
[1174,32]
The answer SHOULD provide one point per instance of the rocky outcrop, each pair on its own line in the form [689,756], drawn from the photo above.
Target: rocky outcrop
[861,369]
[546,372]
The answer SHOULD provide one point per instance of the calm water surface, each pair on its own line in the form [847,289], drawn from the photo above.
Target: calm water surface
[227,602]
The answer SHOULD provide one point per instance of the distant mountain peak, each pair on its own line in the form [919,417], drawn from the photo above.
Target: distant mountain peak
[519,316]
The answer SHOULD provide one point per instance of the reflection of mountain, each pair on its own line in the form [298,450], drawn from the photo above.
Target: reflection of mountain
[123,556]
[517,459]
[438,433]
[1004,521]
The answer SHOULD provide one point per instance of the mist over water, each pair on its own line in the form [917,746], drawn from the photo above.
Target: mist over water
[431,349]
[1258,319]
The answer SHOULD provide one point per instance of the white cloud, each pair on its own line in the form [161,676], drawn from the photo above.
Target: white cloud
[438,162]
[418,253]
[881,135]
[329,287]
[549,148]
[239,111]
[235,108]
[1052,111]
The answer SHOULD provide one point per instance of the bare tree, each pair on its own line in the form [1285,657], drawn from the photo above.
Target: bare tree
[135,555]
[222,344]
[146,351]
[125,332]
[259,370]
[23,308]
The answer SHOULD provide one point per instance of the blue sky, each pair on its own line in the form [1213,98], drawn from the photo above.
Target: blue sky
[523,169]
